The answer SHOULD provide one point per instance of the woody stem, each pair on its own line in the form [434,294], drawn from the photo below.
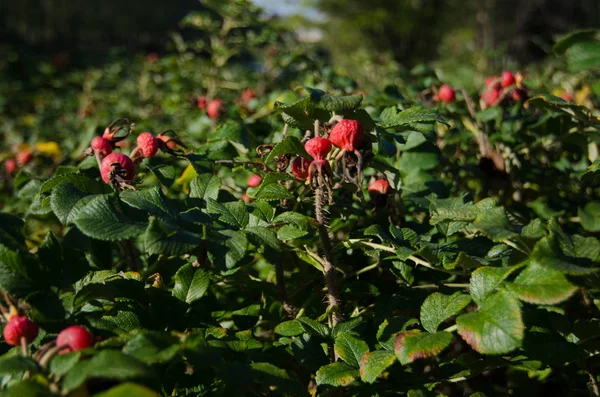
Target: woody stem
[333,299]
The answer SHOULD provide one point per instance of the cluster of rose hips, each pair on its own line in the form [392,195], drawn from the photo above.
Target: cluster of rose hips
[500,88]
[21,159]
[19,330]
[119,169]
[347,135]
[215,109]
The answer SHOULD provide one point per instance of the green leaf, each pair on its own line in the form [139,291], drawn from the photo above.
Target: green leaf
[80,181]
[101,219]
[555,104]
[546,254]
[205,186]
[350,349]
[373,364]
[411,346]
[107,364]
[167,238]
[152,347]
[12,231]
[18,365]
[128,390]
[166,174]
[14,272]
[62,363]
[497,327]
[540,285]
[270,189]
[391,118]
[583,56]
[67,201]
[232,213]
[579,36]
[313,327]
[337,374]
[438,307]
[494,224]
[28,388]
[289,328]
[152,201]
[590,216]
[191,283]
[227,248]
[265,236]
[486,280]
[322,100]
[290,145]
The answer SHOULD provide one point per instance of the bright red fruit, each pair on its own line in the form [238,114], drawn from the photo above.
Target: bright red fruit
[347,134]
[246,199]
[20,327]
[10,166]
[214,109]
[318,147]
[254,181]
[247,95]
[446,93]
[147,144]
[201,102]
[380,186]
[102,146]
[567,96]
[300,167]
[125,162]
[74,338]
[507,79]
[489,81]
[24,157]
[490,96]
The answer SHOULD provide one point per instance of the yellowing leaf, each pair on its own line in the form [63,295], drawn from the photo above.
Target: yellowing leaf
[50,149]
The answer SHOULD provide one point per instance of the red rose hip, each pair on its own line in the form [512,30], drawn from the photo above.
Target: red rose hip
[147,144]
[102,146]
[318,147]
[124,162]
[446,93]
[20,327]
[347,134]
[10,166]
[24,157]
[300,167]
[507,79]
[74,338]
[254,180]
[380,186]
[214,109]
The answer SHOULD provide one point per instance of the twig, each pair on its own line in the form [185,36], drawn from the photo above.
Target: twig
[328,267]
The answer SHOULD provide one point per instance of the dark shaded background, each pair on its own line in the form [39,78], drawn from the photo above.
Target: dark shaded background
[411,30]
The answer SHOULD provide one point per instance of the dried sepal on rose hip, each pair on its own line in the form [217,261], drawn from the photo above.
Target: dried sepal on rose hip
[118,130]
[117,169]
[74,338]
[170,143]
[300,167]
[348,135]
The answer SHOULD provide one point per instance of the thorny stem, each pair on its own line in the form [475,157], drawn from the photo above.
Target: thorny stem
[333,299]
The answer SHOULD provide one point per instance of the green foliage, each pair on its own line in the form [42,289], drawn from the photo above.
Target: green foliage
[480,263]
